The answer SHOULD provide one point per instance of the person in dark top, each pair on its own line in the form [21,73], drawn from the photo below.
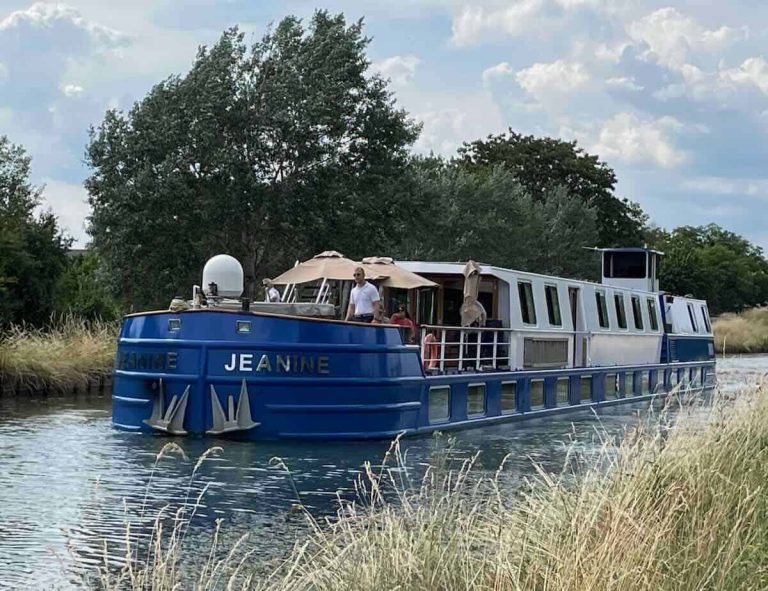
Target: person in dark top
[400,317]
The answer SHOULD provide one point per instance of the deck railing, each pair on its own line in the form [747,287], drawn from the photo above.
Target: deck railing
[481,348]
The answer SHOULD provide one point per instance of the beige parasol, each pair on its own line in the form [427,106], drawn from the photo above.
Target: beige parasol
[471,309]
[326,265]
[394,276]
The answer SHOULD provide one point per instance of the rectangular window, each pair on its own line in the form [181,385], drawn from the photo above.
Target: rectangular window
[439,404]
[562,392]
[610,386]
[553,305]
[527,307]
[585,388]
[645,384]
[602,310]
[629,384]
[692,316]
[508,397]
[652,314]
[637,313]
[174,324]
[476,400]
[625,265]
[243,326]
[705,317]
[621,314]
[537,394]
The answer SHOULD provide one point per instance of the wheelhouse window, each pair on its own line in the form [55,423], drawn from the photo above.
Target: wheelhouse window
[705,317]
[637,313]
[621,313]
[652,314]
[625,265]
[527,306]
[602,310]
[692,316]
[553,305]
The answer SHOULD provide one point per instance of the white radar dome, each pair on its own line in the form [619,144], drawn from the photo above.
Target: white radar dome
[227,273]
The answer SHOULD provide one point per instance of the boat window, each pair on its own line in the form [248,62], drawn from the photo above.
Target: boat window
[602,310]
[609,386]
[537,394]
[652,315]
[585,388]
[692,316]
[563,396]
[621,313]
[637,313]
[475,400]
[705,317]
[439,403]
[527,306]
[508,397]
[625,265]
[553,305]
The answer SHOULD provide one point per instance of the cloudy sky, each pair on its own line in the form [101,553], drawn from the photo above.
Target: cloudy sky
[672,94]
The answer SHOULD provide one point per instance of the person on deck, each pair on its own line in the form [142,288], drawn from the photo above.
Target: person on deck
[400,317]
[364,300]
[271,293]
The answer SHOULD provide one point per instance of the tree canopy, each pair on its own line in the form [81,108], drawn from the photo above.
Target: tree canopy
[543,164]
[711,263]
[263,152]
[32,247]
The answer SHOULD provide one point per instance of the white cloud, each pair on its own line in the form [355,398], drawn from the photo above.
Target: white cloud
[623,83]
[640,140]
[727,186]
[451,119]
[670,37]
[547,82]
[72,90]
[499,71]
[42,15]
[754,71]
[68,202]
[475,22]
[398,68]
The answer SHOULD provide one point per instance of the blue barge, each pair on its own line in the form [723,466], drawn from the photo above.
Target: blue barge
[219,365]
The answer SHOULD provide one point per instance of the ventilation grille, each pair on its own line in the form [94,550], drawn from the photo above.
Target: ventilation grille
[545,353]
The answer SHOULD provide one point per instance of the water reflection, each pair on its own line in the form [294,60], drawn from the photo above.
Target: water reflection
[69,478]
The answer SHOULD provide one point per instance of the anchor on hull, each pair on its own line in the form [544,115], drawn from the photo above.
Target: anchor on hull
[171,419]
[235,419]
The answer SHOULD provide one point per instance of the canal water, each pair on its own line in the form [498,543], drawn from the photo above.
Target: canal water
[69,483]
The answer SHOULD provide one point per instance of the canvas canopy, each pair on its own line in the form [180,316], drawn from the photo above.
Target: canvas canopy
[395,276]
[326,265]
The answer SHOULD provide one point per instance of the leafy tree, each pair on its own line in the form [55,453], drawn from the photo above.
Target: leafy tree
[81,290]
[541,164]
[267,153]
[456,214]
[711,263]
[32,246]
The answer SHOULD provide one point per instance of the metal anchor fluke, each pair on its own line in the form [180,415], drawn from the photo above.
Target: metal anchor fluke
[170,420]
[235,419]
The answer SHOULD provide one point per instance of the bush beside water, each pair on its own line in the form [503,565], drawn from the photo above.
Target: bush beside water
[746,332]
[62,356]
[677,504]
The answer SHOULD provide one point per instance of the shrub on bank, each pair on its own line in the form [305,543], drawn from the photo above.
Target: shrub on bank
[64,355]
[746,332]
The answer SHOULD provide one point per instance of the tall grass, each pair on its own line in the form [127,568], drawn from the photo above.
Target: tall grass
[63,355]
[671,507]
[746,332]
[677,504]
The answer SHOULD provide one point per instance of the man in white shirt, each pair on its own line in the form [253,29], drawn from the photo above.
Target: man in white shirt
[271,293]
[364,300]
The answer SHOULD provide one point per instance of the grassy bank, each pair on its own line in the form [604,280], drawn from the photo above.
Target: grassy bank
[746,332]
[676,506]
[63,356]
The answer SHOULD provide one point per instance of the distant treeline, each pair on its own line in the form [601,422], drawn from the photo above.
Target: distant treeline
[291,146]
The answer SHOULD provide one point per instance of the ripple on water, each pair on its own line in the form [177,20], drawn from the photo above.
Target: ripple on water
[67,479]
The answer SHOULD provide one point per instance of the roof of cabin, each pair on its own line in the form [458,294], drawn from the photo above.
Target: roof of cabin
[626,249]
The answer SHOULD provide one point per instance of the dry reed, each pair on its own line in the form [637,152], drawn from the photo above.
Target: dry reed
[677,504]
[61,356]
[746,332]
